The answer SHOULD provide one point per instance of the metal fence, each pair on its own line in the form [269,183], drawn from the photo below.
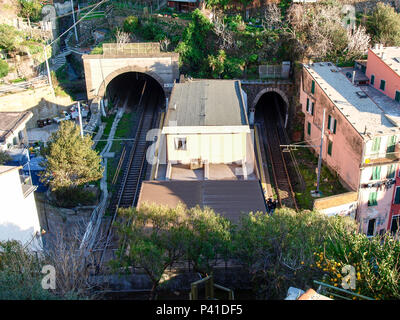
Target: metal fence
[16,87]
[130,49]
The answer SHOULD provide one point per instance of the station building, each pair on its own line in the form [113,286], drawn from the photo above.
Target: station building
[362,130]
[205,151]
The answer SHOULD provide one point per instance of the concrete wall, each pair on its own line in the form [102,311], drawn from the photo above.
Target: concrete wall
[216,148]
[99,71]
[39,101]
[381,71]
[18,216]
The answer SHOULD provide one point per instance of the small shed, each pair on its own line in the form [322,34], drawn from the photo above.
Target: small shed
[184,5]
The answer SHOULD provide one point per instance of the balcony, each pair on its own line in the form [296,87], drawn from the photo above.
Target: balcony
[391,155]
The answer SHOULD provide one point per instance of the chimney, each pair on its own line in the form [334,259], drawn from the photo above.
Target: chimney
[353,77]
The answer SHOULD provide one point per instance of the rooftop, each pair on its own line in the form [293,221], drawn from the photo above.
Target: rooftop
[206,103]
[5,169]
[367,115]
[390,56]
[9,122]
[230,198]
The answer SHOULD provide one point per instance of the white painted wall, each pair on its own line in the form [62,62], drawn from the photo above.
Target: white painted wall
[18,215]
[216,148]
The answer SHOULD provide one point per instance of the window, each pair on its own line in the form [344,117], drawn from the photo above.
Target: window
[310,108]
[376,173]
[395,224]
[331,124]
[397,96]
[330,147]
[180,143]
[391,144]
[308,128]
[397,196]
[21,135]
[382,86]
[376,145]
[313,87]
[372,79]
[15,141]
[391,171]
[372,200]
[371,227]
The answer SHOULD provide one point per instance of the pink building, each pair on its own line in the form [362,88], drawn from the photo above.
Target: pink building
[362,127]
[383,70]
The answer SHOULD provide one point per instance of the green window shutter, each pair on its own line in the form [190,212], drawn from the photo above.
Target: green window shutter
[308,128]
[382,86]
[330,147]
[391,171]
[376,145]
[397,97]
[329,122]
[312,108]
[397,196]
[376,173]
[313,87]
[308,105]
[391,144]
[334,126]
[372,79]
[372,201]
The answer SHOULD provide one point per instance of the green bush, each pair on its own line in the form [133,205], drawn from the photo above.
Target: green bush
[4,68]
[131,24]
[152,31]
[10,38]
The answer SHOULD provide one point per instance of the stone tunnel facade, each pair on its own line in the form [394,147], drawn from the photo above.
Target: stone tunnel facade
[101,70]
[256,89]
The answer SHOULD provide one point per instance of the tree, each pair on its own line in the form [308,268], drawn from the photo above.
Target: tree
[131,24]
[272,17]
[30,9]
[358,42]
[4,157]
[70,160]
[155,239]
[20,276]
[194,47]
[3,68]
[121,37]
[10,38]
[209,239]
[217,63]
[277,250]
[384,26]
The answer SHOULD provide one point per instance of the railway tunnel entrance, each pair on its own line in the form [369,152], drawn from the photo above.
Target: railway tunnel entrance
[273,106]
[271,117]
[134,88]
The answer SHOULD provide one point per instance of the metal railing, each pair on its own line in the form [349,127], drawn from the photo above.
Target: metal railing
[33,83]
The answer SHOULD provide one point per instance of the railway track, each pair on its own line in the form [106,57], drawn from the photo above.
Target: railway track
[135,165]
[271,127]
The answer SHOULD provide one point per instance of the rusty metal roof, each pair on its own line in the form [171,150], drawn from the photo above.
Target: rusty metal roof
[230,198]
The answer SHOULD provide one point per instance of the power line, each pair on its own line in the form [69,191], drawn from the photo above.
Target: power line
[101,2]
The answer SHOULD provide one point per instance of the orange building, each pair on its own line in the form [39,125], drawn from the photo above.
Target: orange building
[362,130]
[383,70]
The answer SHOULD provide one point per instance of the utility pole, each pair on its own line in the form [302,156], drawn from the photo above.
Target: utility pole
[80,118]
[320,153]
[73,19]
[48,70]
